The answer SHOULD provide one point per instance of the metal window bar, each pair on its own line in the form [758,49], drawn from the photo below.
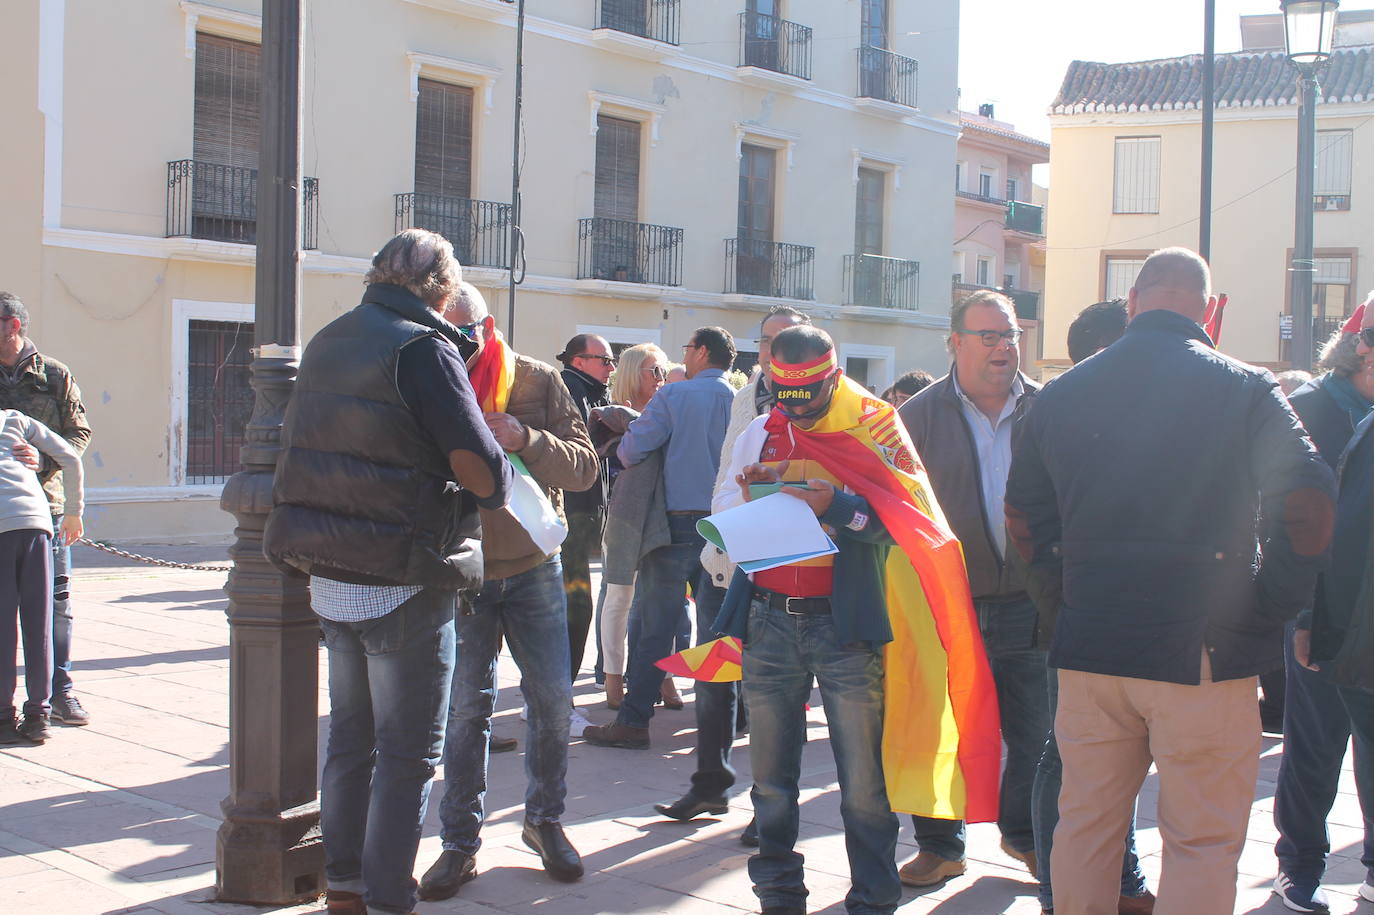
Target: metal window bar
[772,43]
[769,268]
[220,203]
[1025,217]
[219,398]
[479,230]
[628,252]
[882,282]
[887,76]
[658,20]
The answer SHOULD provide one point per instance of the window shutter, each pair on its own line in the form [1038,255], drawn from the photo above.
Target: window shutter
[226,118]
[868,221]
[443,139]
[1136,182]
[1333,163]
[617,169]
[1121,274]
[756,192]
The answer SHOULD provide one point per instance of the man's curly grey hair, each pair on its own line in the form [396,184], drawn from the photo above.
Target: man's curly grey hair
[1338,352]
[420,261]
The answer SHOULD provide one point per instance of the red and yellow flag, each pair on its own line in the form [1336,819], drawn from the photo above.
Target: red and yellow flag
[717,661]
[941,746]
[493,373]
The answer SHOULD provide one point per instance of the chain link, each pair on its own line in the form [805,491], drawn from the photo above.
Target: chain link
[165,563]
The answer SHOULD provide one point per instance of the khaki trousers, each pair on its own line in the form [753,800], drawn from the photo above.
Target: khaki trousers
[1205,742]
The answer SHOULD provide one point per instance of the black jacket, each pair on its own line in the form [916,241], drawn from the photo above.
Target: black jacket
[1343,621]
[587,393]
[1136,487]
[361,492]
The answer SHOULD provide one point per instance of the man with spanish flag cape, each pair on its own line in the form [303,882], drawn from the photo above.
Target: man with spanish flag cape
[888,634]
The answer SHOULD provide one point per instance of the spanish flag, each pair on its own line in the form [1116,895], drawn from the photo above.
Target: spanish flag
[941,746]
[493,373]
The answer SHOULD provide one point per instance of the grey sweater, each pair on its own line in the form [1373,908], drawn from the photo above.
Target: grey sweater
[23,506]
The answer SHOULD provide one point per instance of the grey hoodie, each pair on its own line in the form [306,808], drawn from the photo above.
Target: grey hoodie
[23,506]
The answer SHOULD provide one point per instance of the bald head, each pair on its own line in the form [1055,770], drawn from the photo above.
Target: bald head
[467,305]
[1172,279]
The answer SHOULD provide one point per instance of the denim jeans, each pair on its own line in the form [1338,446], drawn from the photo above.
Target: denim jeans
[528,609]
[661,597]
[584,537]
[61,618]
[781,654]
[1316,730]
[1018,670]
[388,693]
[715,707]
[1045,809]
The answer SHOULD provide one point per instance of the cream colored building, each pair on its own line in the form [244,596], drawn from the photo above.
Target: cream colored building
[1125,163]
[687,162]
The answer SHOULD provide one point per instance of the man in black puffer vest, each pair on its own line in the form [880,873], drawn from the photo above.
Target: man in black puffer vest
[385,461]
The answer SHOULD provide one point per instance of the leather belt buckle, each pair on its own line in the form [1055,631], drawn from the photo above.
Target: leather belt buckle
[787,606]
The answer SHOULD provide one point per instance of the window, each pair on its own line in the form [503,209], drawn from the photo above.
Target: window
[225,140]
[958,267]
[959,176]
[984,276]
[987,179]
[1331,290]
[615,203]
[868,212]
[219,399]
[1136,181]
[1121,274]
[443,139]
[754,248]
[1332,188]
[874,24]
[1013,189]
[763,34]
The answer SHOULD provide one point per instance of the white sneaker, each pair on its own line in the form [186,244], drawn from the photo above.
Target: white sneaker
[577,723]
[524,713]
[1367,892]
[1295,899]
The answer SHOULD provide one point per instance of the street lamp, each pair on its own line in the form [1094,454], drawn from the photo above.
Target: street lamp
[1308,28]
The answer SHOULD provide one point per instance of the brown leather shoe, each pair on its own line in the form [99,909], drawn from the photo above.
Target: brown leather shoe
[619,735]
[1025,857]
[1144,904]
[928,869]
[341,902]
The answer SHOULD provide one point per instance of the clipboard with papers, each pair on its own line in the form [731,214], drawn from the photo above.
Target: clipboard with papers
[774,529]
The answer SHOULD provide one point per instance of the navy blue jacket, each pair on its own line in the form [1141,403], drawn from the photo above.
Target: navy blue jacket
[1343,624]
[1138,482]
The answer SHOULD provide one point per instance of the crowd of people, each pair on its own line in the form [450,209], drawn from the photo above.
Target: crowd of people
[1037,593]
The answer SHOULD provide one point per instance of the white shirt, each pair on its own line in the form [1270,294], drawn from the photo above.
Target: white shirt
[992,441]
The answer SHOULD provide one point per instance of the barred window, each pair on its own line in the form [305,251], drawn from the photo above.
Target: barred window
[1121,274]
[1136,181]
[1332,189]
[219,401]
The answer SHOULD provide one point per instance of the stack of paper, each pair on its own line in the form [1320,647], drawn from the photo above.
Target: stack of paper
[776,530]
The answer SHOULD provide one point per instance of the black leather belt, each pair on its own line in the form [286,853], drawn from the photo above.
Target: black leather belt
[797,606]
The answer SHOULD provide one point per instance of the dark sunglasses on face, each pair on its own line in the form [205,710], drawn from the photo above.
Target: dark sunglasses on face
[468,330]
[1367,337]
[604,360]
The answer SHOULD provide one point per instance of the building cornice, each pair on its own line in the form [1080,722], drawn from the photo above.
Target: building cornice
[1237,114]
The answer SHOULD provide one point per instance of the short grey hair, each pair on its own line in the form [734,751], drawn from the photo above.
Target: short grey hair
[988,297]
[12,307]
[1175,268]
[420,261]
[467,305]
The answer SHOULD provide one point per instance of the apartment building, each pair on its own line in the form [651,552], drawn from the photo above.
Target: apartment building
[684,163]
[999,233]
[1125,164]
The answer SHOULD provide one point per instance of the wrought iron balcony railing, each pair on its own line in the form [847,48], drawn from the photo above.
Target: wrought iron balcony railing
[887,76]
[881,282]
[220,203]
[628,252]
[654,19]
[770,43]
[1025,217]
[769,268]
[1027,303]
[982,198]
[479,230]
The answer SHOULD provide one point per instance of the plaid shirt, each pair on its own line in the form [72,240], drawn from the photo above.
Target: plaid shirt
[343,602]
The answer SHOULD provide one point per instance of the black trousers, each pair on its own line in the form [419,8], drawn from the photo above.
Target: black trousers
[26,606]
[584,539]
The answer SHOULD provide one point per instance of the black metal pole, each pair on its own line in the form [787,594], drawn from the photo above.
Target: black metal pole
[268,849]
[1303,267]
[516,240]
[1209,104]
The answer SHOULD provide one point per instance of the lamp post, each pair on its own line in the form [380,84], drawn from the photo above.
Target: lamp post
[1308,29]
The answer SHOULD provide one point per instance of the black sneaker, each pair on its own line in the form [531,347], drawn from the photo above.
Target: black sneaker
[67,709]
[34,728]
[9,731]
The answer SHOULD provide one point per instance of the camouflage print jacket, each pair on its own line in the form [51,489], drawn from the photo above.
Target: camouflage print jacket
[44,389]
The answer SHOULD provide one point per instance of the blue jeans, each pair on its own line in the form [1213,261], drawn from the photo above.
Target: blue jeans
[61,618]
[1018,670]
[715,707]
[661,595]
[1316,729]
[782,653]
[388,692]
[1045,808]
[529,609]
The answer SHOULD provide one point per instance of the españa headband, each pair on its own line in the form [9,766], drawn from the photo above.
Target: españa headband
[800,382]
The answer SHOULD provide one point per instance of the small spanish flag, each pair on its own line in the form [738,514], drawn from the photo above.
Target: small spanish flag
[718,661]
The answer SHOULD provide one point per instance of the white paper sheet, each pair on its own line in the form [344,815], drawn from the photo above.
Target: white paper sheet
[775,526]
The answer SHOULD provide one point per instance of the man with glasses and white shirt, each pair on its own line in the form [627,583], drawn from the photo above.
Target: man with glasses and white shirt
[962,427]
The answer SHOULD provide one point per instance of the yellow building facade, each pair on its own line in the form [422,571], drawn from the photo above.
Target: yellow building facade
[685,163]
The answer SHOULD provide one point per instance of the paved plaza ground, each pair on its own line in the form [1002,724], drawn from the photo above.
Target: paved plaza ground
[121,816]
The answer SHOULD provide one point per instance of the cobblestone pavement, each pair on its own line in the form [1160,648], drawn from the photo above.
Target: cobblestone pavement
[121,816]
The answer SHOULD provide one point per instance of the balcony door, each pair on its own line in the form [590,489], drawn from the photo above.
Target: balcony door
[443,164]
[616,252]
[868,237]
[226,134]
[754,257]
[763,34]
[873,64]
[626,16]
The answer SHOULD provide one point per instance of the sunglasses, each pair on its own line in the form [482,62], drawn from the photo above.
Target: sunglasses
[1367,337]
[993,337]
[468,330]
[604,360]
[657,371]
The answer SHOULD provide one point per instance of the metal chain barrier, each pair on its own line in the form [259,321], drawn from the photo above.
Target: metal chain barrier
[165,563]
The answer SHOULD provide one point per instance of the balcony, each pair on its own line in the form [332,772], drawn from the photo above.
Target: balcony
[1027,303]
[980,198]
[628,252]
[654,20]
[887,77]
[479,230]
[774,44]
[220,203]
[881,282]
[769,268]
[1025,217]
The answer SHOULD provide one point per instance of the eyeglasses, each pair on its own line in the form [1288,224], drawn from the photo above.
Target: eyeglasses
[657,371]
[992,338]
[604,360]
[1367,337]
[687,346]
[468,330]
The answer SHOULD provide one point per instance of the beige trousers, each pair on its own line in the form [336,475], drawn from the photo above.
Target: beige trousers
[1205,742]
